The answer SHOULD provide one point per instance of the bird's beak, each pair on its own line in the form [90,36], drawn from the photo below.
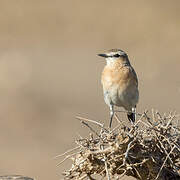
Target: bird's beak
[103,55]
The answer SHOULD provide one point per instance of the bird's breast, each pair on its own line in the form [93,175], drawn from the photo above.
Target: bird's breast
[120,85]
[115,77]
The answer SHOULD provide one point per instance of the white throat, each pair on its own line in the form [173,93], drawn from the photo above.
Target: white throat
[110,61]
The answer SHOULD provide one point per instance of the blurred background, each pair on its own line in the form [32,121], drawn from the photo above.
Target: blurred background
[50,71]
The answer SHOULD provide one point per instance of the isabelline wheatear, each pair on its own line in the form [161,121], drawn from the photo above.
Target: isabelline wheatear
[120,83]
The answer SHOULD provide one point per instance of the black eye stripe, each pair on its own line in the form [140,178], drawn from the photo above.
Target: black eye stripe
[116,55]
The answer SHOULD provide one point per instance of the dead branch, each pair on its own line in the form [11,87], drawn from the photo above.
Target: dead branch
[150,149]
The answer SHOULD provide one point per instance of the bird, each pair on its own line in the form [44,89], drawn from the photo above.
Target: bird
[120,83]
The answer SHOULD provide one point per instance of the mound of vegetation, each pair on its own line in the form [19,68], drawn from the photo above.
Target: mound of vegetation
[149,149]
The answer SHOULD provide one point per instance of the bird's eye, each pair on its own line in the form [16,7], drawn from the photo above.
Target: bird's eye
[116,55]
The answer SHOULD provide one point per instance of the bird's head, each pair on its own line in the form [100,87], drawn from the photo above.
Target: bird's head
[114,55]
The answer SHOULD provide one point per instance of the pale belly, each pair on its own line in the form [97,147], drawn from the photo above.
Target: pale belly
[122,97]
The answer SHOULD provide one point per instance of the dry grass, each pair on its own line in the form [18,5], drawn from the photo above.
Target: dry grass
[150,149]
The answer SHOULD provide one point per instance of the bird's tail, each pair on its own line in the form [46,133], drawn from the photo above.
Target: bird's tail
[132,115]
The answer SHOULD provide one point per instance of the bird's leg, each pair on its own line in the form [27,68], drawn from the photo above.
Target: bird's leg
[134,112]
[111,115]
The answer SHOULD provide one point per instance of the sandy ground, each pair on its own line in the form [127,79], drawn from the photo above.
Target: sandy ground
[49,71]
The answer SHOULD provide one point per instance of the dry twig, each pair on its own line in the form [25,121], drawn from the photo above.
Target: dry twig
[150,149]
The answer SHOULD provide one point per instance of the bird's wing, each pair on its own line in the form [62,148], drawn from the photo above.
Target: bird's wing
[134,75]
